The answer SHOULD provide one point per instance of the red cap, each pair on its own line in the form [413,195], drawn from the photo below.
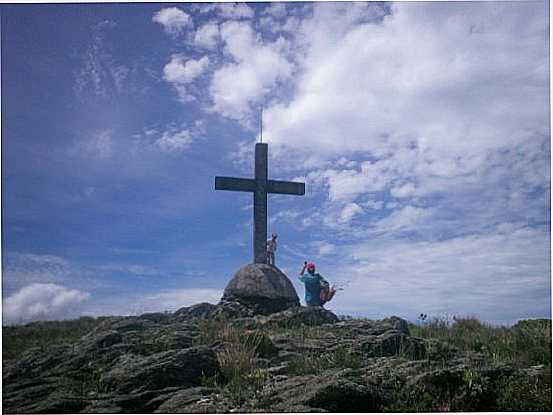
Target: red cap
[311,265]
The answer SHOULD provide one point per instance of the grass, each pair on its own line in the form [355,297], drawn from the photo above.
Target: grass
[314,363]
[239,370]
[16,340]
[240,377]
[528,343]
[211,331]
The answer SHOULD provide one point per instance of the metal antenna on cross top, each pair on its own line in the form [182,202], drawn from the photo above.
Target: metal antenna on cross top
[261,125]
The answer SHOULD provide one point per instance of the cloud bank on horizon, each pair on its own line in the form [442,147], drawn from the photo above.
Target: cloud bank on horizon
[421,130]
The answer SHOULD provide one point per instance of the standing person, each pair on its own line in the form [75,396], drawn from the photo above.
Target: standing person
[271,248]
[317,291]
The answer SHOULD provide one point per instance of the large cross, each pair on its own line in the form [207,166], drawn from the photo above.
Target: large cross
[260,186]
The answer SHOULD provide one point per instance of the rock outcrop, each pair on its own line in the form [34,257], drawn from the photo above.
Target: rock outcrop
[263,288]
[132,373]
[329,392]
[303,359]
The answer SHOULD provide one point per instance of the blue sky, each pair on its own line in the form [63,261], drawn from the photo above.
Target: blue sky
[421,130]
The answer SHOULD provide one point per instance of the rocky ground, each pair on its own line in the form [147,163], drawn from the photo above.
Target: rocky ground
[225,358]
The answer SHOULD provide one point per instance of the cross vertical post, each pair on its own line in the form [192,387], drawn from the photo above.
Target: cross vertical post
[260,185]
[260,205]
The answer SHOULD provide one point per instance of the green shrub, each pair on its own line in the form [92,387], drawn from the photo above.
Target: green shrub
[532,341]
[525,393]
[475,393]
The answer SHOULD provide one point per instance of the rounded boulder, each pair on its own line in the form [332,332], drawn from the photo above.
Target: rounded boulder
[262,287]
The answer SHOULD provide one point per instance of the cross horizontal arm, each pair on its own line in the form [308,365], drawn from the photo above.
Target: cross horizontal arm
[234,183]
[285,188]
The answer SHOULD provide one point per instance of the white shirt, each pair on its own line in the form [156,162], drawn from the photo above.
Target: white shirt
[271,245]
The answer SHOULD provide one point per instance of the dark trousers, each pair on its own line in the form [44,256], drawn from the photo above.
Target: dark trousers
[271,258]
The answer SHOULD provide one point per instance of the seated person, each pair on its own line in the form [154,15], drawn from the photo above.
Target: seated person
[317,289]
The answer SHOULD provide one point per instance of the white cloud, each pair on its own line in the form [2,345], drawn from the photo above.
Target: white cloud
[22,269]
[447,102]
[274,25]
[99,145]
[324,248]
[374,204]
[277,10]
[175,140]
[348,184]
[500,277]
[42,302]
[292,24]
[349,211]
[256,70]
[235,10]
[403,191]
[173,20]
[405,219]
[199,127]
[182,71]
[287,215]
[423,78]
[207,36]
[40,260]
[135,269]
[103,144]
[101,75]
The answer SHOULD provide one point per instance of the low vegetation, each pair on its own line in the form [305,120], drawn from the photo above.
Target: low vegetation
[527,343]
[242,355]
[315,363]
[18,339]
[239,350]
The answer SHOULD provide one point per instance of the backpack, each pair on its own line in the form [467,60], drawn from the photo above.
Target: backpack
[324,287]
[322,282]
